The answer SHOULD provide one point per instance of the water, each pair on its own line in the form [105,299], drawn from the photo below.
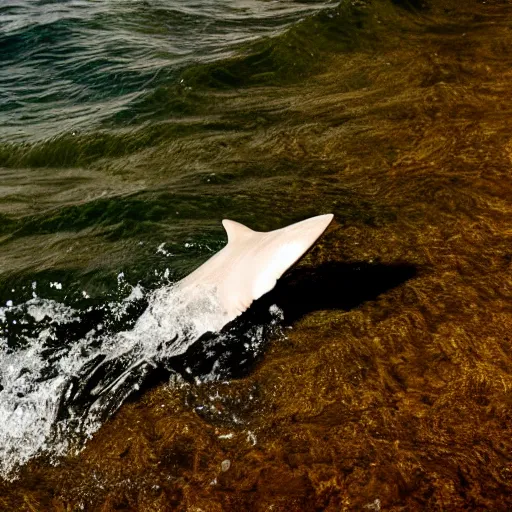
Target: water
[76,338]
[67,66]
[56,391]
[392,387]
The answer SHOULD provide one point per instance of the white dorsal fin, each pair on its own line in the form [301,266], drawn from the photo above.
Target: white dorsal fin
[235,230]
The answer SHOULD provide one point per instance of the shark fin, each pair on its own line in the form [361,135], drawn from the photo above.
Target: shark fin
[267,257]
[236,231]
[250,264]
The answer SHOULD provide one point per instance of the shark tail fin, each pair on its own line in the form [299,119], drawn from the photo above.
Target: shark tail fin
[236,231]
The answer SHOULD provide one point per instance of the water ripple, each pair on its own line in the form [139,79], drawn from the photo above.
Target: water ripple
[69,65]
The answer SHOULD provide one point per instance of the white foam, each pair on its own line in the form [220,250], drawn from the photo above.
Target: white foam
[39,309]
[28,403]
[29,399]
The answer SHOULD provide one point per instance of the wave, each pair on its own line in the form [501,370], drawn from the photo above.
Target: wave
[75,65]
[176,107]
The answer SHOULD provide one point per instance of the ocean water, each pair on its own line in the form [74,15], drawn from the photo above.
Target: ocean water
[68,66]
[375,375]
[89,89]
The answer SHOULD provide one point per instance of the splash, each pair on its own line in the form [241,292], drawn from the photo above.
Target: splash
[55,392]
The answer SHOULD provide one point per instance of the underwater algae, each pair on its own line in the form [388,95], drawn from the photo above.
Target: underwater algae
[398,400]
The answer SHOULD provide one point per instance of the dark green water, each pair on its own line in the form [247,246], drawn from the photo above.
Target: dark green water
[67,66]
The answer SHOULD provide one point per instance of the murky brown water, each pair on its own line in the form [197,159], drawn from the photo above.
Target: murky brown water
[398,401]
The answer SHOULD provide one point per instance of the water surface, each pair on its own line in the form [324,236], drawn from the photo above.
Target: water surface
[67,66]
[377,374]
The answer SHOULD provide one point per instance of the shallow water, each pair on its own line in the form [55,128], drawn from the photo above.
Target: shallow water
[391,389]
